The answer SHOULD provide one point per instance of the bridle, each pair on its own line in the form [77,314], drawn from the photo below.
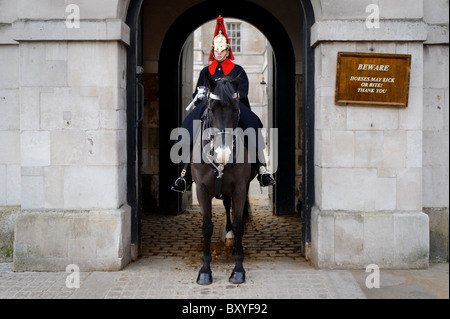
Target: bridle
[222,134]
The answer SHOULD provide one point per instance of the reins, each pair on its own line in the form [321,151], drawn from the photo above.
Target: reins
[208,154]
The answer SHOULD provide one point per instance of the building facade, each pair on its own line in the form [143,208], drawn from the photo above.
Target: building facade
[74,151]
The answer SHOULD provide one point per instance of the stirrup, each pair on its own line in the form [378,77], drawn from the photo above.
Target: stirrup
[177,187]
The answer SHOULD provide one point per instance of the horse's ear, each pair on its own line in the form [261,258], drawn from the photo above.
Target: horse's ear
[210,82]
[237,80]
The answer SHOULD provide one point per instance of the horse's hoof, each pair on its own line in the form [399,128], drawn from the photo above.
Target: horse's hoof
[204,278]
[237,277]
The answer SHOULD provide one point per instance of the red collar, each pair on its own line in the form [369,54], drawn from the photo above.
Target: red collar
[227,66]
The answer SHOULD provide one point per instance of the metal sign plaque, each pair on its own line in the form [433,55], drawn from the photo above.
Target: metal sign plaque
[372,79]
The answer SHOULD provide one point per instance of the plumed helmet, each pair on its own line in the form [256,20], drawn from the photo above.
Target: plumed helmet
[220,40]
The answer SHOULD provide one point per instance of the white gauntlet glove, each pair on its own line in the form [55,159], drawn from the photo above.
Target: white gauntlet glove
[201,93]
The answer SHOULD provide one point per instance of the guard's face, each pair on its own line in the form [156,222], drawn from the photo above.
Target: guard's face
[221,55]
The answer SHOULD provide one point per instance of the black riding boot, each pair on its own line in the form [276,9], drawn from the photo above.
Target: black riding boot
[184,182]
[264,177]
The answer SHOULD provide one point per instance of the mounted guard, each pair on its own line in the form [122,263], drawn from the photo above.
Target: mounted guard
[222,66]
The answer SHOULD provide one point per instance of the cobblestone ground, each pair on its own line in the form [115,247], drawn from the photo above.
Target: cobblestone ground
[268,280]
[266,236]
[160,277]
[32,285]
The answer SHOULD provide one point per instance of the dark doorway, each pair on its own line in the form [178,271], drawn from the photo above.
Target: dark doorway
[170,98]
[284,110]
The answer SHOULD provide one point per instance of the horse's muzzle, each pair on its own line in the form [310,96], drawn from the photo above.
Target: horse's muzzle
[224,151]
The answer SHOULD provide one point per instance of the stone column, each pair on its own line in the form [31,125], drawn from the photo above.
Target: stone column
[9,132]
[435,127]
[72,97]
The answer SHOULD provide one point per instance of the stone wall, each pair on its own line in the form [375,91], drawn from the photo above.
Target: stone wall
[63,135]
[369,165]
[91,239]
[435,127]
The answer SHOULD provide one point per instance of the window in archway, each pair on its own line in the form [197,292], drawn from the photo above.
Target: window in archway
[234,35]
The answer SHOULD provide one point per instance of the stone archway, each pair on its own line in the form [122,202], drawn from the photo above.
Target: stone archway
[284,92]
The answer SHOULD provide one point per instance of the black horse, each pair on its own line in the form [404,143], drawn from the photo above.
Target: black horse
[224,172]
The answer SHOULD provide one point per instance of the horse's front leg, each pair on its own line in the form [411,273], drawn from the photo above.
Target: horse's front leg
[205,274]
[238,274]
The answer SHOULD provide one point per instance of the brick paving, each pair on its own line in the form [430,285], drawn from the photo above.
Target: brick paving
[33,285]
[264,280]
[159,277]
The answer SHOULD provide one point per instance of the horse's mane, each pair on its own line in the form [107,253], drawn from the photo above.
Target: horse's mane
[225,91]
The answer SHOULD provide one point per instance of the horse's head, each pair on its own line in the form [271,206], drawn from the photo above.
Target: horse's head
[223,113]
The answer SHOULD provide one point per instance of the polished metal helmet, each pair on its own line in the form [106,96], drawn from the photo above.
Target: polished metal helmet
[220,43]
